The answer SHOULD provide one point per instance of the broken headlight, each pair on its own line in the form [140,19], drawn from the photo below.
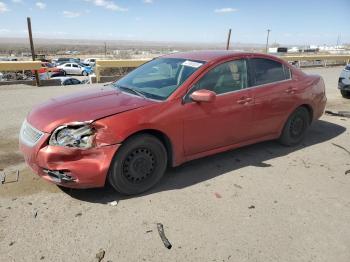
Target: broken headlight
[78,135]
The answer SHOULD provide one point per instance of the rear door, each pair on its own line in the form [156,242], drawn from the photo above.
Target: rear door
[225,121]
[273,93]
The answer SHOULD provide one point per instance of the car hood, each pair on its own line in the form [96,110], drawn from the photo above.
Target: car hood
[83,106]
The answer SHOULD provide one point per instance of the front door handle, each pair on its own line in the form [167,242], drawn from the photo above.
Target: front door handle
[241,101]
[244,100]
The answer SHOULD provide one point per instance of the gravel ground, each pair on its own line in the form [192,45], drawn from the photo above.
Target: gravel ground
[263,202]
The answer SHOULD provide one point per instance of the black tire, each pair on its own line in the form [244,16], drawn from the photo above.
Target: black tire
[84,73]
[345,93]
[295,128]
[138,165]
[64,73]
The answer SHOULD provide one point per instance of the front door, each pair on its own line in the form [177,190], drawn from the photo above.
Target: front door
[225,121]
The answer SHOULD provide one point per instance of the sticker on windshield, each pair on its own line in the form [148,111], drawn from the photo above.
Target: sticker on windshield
[191,64]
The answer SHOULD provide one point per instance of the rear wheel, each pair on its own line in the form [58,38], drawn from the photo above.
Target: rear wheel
[345,93]
[295,128]
[138,165]
[85,73]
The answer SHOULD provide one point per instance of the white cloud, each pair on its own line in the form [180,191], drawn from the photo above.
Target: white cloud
[70,14]
[108,5]
[17,1]
[225,10]
[148,1]
[4,30]
[40,5]
[3,7]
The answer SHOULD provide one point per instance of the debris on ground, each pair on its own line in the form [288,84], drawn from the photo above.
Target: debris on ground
[251,207]
[162,236]
[11,243]
[35,213]
[113,203]
[238,186]
[261,164]
[347,172]
[340,113]
[100,255]
[149,231]
[341,148]
[217,195]
[3,177]
[78,214]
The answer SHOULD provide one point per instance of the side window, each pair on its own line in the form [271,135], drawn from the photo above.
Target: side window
[67,65]
[269,71]
[224,78]
[74,65]
[162,71]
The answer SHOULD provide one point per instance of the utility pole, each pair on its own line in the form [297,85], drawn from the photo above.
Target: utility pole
[228,39]
[267,40]
[37,80]
[105,49]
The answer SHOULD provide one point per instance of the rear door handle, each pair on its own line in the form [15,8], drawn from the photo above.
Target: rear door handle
[248,99]
[291,90]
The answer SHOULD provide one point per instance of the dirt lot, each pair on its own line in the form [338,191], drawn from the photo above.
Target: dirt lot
[260,203]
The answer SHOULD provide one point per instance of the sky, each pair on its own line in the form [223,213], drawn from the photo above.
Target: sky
[291,22]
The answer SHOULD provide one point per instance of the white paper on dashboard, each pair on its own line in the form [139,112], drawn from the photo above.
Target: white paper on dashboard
[191,64]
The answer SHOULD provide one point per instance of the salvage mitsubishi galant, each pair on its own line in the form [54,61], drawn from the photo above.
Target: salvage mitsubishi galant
[170,110]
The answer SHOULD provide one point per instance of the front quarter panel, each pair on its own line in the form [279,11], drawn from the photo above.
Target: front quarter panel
[164,117]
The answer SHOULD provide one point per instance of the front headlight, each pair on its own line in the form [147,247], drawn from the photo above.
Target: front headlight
[78,135]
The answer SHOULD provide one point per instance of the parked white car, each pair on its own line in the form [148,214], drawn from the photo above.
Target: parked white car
[90,61]
[344,82]
[75,69]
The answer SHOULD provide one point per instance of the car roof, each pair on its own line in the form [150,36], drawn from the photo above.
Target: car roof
[212,55]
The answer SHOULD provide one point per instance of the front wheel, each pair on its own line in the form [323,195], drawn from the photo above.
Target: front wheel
[138,165]
[345,94]
[295,128]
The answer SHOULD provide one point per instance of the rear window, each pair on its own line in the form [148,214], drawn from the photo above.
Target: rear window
[347,67]
[269,71]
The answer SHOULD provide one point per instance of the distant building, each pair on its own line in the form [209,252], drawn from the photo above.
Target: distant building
[278,50]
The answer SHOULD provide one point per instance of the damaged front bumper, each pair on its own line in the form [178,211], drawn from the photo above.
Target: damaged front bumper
[69,167]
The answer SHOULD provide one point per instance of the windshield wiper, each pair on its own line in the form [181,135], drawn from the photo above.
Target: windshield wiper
[126,88]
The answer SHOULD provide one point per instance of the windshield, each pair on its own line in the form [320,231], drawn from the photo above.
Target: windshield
[159,78]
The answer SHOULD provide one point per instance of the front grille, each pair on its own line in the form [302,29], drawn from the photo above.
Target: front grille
[29,135]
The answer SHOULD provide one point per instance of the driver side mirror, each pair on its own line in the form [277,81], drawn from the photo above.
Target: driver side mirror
[203,95]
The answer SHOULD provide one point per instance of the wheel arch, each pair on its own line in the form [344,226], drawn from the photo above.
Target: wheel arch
[162,137]
[309,109]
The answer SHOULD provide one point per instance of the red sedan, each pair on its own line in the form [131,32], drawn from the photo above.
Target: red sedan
[170,110]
